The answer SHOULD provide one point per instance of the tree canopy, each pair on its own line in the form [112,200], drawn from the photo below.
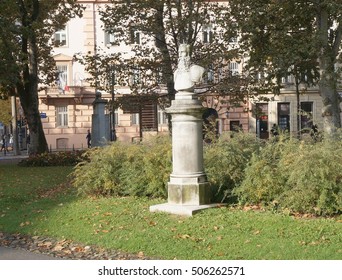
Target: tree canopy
[26,30]
[153,30]
[301,38]
[298,37]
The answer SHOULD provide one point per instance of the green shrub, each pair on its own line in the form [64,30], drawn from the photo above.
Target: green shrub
[283,172]
[314,181]
[225,161]
[148,167]
[54,159]
[297,176]
[264,181]
[126,169]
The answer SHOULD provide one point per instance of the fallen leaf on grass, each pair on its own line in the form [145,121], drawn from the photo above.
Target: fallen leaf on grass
[184,236]
[25,224]
[152,223]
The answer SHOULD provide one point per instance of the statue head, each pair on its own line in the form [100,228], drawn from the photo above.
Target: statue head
[184,50]
[183,57]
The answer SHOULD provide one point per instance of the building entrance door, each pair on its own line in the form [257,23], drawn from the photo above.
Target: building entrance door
[262,120]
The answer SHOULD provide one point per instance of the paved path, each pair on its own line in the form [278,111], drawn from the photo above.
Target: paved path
[9,158]
[20,254]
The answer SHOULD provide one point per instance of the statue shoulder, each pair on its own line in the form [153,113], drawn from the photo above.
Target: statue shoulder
[196,73]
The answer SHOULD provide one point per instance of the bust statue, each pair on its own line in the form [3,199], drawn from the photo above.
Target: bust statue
[186,74]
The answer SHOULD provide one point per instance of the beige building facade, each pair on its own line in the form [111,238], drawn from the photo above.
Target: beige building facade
[67,108]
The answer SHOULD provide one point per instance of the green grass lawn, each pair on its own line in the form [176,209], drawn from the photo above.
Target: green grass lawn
[35,201]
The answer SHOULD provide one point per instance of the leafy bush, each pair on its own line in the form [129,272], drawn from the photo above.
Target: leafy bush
[282,173]
[126,169]
[54,159]
[297,176]
[264,180]
[225,161]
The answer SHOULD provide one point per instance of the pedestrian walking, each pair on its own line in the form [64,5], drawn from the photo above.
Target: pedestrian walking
[274,130]
[88,137]
[10,142]
[4,144]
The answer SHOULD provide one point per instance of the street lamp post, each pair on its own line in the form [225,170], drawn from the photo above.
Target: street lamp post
[15,143]
[112,116]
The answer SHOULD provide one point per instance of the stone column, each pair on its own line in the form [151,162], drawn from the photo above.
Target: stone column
[100,129]
[188,189]
[188,183]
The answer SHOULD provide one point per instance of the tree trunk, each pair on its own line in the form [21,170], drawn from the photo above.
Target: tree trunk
[28,94]
[15,143]
[28,88]
[167,64]
[331,108]
[328,82]
[299,132]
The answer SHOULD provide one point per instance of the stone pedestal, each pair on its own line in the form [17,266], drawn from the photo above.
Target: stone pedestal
[100,128]
[188,189]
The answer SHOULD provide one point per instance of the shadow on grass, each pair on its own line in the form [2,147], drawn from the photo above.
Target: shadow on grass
[27,194]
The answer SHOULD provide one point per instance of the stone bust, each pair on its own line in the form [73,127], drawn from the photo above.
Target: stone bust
[186,74]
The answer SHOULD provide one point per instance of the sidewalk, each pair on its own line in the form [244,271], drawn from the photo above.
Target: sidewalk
[10,158]
[7,253]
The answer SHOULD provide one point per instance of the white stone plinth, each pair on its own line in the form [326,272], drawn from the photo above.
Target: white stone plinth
[188,188]
[183,210]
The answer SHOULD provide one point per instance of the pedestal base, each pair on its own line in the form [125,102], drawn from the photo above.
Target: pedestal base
[184,210]
[189,194]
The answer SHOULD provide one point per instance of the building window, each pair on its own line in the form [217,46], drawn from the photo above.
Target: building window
[159,76]
[109,38]
[62,78]
[306,115]
[116,117]
[135,36]
[234,68]
[233,40]
[61,37]
[235,126]
[261,115]
[62,144]
[287,80]
[136,79]
[284,116]
[135,119]
[62,116]
[210,76]
[208,34]
[162,117]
